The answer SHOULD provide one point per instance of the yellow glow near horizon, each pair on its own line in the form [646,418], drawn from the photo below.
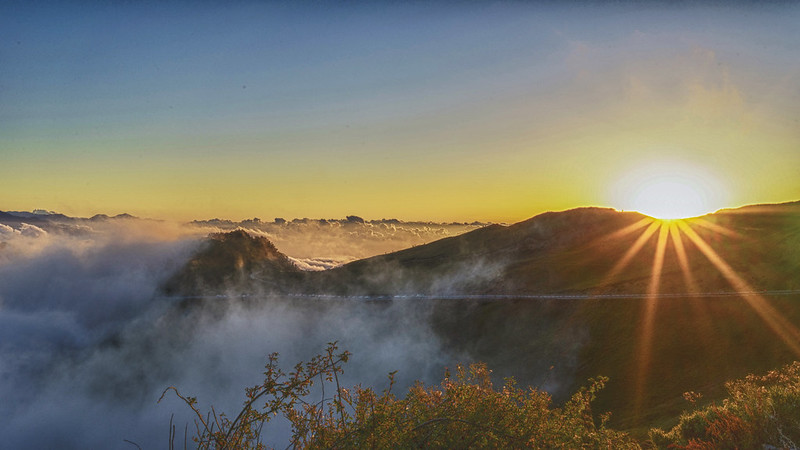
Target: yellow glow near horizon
[670,190]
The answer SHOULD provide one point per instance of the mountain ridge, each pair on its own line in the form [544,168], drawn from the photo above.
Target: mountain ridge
[568,252]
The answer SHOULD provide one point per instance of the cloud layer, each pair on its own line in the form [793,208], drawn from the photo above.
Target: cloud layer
[87,344]
[316,244]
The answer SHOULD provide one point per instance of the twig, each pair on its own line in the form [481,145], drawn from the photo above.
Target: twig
[476,425]
[171,433]
[338,388]
[132,443]
[191,405]
[286,388]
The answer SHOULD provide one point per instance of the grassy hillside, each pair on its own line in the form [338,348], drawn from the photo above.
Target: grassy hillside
[589,251]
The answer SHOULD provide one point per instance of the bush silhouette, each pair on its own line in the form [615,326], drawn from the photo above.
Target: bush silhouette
[465,410]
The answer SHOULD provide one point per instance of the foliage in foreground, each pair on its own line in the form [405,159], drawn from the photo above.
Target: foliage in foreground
[466,410]
[760,412]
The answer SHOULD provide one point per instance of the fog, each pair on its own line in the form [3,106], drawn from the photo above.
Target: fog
[88,344]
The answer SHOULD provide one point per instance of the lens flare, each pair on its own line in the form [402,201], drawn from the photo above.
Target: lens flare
[675,231]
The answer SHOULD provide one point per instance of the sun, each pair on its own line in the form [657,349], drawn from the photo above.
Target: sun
[669,198]
[669,190]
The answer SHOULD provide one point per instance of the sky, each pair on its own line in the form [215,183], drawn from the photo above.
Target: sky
[447,111]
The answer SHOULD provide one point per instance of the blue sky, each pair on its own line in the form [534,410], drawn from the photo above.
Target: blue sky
[489,111]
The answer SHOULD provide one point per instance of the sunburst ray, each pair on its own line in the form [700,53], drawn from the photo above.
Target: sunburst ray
[647,327]
[784,329]
[716,228]
[633,251]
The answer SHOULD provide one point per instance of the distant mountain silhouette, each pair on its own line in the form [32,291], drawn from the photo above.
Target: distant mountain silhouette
[50,219]
[105,217]
[15,218]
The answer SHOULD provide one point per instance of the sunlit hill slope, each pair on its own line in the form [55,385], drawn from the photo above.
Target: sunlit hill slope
[659,307]
[582,251]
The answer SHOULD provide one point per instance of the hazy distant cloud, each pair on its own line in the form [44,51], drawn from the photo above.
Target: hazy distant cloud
[31,230]
[322,243]
[6,230]
[315,244]
[315,264]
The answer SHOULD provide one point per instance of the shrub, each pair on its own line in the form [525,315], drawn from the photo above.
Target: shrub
[462,411]
[280,392]
[760,411]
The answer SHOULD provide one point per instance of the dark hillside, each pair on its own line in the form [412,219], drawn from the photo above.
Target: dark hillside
[232,260]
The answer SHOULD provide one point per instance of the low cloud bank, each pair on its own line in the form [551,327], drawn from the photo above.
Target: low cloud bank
[314,244]
[318,244]
[87,343]
[316,264]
